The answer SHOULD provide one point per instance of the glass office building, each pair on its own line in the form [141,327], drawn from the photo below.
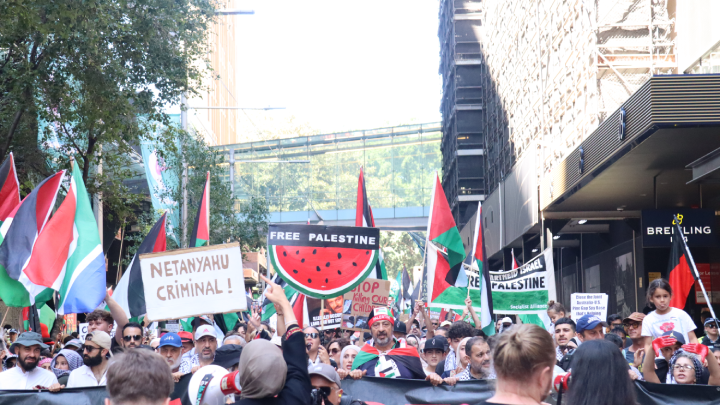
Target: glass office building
[316,177]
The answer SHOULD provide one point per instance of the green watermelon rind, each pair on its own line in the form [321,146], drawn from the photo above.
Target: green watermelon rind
[316,293]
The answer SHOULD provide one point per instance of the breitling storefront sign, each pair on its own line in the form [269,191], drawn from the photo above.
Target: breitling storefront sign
[698,225]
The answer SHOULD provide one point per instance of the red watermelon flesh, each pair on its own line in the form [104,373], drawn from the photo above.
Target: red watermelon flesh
[322,271]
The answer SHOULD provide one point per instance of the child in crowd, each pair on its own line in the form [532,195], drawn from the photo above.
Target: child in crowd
[666,318]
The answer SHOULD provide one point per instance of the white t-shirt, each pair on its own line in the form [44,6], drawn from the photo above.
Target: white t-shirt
[84,377]
[17,379]
[655,325]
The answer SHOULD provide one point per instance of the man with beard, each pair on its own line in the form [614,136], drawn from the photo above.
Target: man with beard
[171,350]
[479,367]
[27,375]
[132,335]
[386,357]
[205,346]
[95,357]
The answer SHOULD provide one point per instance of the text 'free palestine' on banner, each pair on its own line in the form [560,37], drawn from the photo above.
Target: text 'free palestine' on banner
[525,290]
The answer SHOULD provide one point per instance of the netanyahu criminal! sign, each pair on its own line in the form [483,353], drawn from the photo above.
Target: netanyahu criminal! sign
[191,282]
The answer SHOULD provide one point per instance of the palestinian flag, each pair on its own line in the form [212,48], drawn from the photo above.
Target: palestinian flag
[681,276]
[406,358]
[19,231]
[478,253]
[364,218]
[443,231]
[9,188]
[130,293]
[201,231]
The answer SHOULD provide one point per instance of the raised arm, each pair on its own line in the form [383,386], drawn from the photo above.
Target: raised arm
[118,314]
[474,315]
[428,323]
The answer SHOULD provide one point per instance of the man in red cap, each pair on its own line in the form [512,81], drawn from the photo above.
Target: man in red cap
[384,356]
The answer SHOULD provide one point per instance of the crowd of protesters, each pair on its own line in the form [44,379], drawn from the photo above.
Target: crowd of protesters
[575,358]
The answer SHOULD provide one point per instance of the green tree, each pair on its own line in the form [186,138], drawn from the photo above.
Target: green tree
[399,250]
[76,75]
[230,220]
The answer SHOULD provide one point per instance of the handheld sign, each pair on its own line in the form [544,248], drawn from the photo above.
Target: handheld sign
[362,299]
[323,261]
[191,282]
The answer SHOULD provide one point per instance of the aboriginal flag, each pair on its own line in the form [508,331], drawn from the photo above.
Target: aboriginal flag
[680,275]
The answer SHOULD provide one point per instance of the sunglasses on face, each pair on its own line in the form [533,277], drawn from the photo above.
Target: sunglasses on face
[711,325]
[312,335]
[89,349]
[132,337]
[632,324]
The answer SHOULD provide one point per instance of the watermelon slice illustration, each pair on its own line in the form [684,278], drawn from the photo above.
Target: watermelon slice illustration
[322,272]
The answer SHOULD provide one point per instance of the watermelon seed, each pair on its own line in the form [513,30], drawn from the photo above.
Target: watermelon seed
[297,252]
[367,252]
[314,251]
[339,256]
[326,280]
[295,271]
[317,268]
[327,264]
[339,272]
[354,264]
[309,280]
[284,253]
[302,260]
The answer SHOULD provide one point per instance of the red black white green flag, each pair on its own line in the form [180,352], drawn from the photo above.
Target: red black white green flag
[681,276]
[201,232]
[388,365]
[9,188]
[364,218]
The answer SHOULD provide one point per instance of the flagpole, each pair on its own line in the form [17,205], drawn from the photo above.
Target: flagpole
[680,234]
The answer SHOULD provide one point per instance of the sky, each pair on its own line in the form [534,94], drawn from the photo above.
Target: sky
[341,65]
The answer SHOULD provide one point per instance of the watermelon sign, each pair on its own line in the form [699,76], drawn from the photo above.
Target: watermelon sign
[323,261]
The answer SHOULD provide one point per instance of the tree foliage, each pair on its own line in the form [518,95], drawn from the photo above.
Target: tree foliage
[399,250]
[76,75]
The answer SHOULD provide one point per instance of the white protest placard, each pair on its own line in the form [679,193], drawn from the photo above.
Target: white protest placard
[83,331]
[593,304]
[191,282]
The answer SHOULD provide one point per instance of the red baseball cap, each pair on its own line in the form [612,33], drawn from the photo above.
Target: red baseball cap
[185,336]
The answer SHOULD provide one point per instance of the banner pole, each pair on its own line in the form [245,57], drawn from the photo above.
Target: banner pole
[694,267]
[5,316]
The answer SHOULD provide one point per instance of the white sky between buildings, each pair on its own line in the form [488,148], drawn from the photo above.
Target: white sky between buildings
[341,65]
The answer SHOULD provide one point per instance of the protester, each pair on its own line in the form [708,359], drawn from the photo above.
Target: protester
[316,352]
[93,372]
[600,375]
[13,335]
[400,330]
[132,335]
[386,357]
[347,356]
[228,357]
[566,341]
[462,360]
[65,362]
[187,344]
[617,341]
[686,364]
[234,338]
[555,311]
[633,325]
[479,366]
[435,350]
[665,317]
[76,345]
[712,337]
[457,332]
[505,324]
[441,331]
[28,375]
[716,354]
[155,344]
[613,321]
[590,327]
[334,348]
[171,351]
[138,377]
[10,362]
[413,340]
[326,383]
[524,362]
[205,345]
[104,320]
[269,375]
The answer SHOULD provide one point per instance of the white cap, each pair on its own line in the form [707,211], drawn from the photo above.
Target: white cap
[506,320]
[205,330]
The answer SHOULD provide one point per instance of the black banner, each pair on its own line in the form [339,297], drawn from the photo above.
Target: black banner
[698,225]
[324,236]
[388,391]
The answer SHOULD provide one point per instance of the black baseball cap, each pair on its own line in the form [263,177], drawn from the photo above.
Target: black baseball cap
[677,335]
[438,342]
[400,327]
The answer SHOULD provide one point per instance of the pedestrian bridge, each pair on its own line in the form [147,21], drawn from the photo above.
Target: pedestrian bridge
[315,178]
